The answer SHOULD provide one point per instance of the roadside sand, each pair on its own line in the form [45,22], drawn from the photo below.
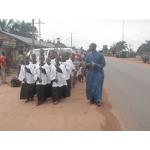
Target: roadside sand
[74,113]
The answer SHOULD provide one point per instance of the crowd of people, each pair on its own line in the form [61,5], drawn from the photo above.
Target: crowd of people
[53,76]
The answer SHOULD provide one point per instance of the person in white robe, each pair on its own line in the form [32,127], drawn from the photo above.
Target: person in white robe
[41,81]
[47,67]
[69,68]
[26,76]
[59,84]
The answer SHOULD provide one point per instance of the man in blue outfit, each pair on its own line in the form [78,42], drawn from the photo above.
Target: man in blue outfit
[95,63]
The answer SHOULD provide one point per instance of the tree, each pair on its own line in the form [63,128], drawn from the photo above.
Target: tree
[58,44]
[6,24]
[41,40]
[21,28]
[117,47]
[145,47]
[49,41]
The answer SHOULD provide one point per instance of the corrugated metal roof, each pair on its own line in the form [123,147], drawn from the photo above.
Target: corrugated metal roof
[28,40]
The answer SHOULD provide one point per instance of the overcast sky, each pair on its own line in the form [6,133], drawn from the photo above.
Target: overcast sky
[86,25]
[101,32]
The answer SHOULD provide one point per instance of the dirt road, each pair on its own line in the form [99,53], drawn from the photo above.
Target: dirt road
[74,113]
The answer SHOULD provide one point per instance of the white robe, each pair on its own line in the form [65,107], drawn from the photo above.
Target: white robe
[53,61]
[40,75]
[60,77]
[48,72]
[79,72]
[52,72]
[25,75]
[69,68]
[33,66]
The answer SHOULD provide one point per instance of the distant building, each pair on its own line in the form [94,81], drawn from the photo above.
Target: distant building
[11,44]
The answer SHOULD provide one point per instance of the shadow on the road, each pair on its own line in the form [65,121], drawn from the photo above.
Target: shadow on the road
[111,121]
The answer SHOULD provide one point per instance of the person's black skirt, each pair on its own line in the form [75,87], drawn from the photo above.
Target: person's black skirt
[48,90]
[60,92]
[69,87]
[41,92]
[64,91]
[31,90]
[23,91]
[56,93]
[27,91]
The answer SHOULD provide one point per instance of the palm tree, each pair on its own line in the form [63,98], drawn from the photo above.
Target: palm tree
[21,28]
[15,27]
[26,29]
[6,25]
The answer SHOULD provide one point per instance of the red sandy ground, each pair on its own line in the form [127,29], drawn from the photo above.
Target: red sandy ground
[74,113]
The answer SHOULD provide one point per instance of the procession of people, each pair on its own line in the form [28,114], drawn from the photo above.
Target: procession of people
[54,76]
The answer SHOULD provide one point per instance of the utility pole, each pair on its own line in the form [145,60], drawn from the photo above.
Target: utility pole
[123,27]
[39,23]
[33,34]
[71,39]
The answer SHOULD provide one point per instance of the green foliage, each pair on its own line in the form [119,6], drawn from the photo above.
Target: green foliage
[145,47]
[6,24]
[117,47]
[21,28]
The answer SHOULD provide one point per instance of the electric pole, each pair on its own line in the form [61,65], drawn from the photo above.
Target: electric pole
[33,34]
[71,39]
[123,26]
[39,23]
